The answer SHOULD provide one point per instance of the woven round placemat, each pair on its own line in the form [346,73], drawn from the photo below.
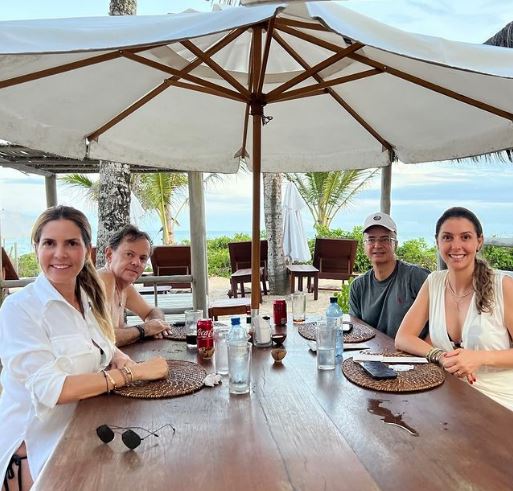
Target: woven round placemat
[424,376]
[358,334]
[184,377]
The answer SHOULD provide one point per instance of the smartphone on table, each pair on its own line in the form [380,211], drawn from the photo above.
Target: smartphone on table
[378,370]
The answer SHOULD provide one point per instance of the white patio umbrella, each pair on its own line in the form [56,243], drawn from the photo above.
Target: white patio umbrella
[295,243]
[344,91]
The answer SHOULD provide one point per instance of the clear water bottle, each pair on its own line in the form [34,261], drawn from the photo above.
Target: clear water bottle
[239,358]
[334,319]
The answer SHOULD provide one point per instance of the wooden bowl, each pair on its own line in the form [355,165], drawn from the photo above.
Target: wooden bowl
[278,354]
[278,338]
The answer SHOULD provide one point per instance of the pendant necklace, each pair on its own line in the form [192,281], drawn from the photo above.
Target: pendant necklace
[457,298]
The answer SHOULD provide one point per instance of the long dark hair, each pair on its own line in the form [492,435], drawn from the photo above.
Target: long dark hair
[87,279]
[482,278]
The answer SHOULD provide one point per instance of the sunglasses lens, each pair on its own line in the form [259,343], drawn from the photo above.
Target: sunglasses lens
[131,439]
[105,434]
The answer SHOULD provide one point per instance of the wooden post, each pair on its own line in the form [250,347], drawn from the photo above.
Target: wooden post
[198,242]
[51,190]
[386,187]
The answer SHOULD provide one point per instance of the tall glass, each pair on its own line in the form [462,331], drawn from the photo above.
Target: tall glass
[191,320]
[326,342]
[239,362]
[298,307]
[221,349]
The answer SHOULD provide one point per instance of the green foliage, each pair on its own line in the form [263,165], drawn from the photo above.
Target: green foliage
[27,265]
[499,257]
[343,295]
[325,193]
[417,251]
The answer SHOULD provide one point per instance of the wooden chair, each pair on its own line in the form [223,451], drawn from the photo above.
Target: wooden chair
[171,260]
[240,263]
[334,258]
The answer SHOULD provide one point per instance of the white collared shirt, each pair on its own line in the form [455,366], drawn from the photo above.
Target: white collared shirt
[43,339]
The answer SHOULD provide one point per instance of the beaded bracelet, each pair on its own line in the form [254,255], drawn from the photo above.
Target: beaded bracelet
[142,332]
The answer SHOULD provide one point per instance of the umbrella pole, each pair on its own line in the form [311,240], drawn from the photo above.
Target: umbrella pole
[255,235]
[257,111]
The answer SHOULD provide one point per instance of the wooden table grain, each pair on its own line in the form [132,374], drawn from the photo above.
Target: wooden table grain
[297,429]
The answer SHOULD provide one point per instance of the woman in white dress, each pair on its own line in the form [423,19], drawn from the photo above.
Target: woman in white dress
[470,311]
[56,347]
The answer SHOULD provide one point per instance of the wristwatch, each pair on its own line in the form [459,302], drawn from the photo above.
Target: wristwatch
[142,332]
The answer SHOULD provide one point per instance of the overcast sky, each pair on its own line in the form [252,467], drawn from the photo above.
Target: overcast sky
[423,190]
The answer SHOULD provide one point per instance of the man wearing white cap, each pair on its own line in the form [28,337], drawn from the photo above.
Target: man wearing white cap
[382,296]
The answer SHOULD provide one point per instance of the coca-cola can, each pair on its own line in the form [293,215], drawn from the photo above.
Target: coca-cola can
[280,312]
[205,338]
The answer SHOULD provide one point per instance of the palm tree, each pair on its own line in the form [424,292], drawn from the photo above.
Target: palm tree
[325,193]
[157,192]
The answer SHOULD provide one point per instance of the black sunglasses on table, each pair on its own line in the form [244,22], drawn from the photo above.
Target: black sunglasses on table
[130,438]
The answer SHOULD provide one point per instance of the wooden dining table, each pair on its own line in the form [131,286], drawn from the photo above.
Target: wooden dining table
[297,429]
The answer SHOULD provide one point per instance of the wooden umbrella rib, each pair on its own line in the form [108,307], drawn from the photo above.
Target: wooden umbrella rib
[301,24]
[292,94]
[315,69]
[166,84]
[129,110]
[434,87]
[267,49]
[398,73]
[332,93]
[186,76]
[216,67]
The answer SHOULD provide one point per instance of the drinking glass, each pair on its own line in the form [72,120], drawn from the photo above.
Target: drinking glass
[191,319]
[221,349]
[326,342]
[239,361]
[298,307]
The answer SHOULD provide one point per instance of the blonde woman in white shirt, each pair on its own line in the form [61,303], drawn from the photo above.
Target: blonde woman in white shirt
[57,347]
[470,311]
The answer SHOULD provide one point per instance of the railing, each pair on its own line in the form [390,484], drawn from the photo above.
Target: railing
[154,280]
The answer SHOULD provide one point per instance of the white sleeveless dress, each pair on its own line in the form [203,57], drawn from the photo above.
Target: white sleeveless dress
[484,331]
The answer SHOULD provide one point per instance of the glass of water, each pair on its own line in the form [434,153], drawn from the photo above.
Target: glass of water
[298,307]
[326,339]
[221,349]
[239,362]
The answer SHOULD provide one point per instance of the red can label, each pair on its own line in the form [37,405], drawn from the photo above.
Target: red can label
[280,312]
[205,338]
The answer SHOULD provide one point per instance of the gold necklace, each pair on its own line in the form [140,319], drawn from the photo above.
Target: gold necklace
[457,298]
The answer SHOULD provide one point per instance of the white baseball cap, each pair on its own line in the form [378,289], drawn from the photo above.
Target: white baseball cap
[379,219]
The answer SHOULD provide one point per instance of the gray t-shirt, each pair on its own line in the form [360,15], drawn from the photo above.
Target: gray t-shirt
[383,304]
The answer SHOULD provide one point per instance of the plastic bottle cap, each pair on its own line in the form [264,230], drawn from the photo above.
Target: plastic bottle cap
[235,321]
[333,299]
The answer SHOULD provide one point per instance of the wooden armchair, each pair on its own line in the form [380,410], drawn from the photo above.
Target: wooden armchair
[334,258]
[240,263]
[172,260]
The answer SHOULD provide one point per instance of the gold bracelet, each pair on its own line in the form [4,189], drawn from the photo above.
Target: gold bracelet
[129,372]
[125,375]
[111,380]
[106,381]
